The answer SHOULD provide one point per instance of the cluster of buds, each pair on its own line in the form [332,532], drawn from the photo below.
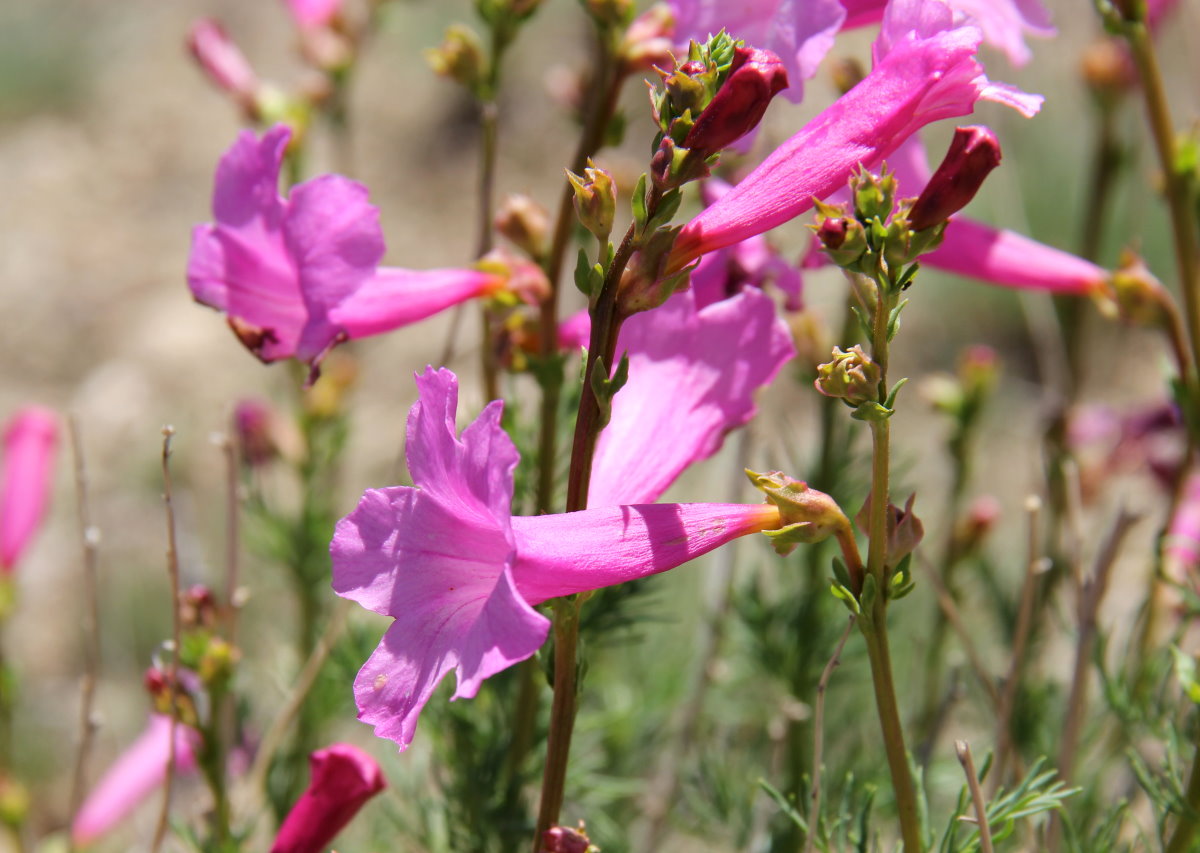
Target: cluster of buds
[461,56]
[709,102]
[904,530]
[595,199]
[880,237]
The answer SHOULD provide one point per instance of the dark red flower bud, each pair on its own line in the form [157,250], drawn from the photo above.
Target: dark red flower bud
[755,77]
[563,839]
[973,153]
[343,778]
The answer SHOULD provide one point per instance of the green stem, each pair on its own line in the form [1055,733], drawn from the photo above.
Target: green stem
[1182,222]
[1185,830]
[612,78]
[874,627]
[562,714]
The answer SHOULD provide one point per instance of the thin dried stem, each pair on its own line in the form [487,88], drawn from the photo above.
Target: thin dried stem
[160,831]
[814,806]
[232,537]
[1035,565]
[955,621]
[89,539]
[257,777]
[963,750]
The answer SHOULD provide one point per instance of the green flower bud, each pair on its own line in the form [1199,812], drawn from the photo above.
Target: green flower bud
[808,516]
[874,195]
[843,237]
[851,376]
[595,199]
[459,57]
[524,222]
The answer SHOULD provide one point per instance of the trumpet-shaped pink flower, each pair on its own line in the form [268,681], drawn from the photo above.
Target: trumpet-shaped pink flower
[343,779]
[310,14]
[924,70]
[29,442]
[295,276]
[460,575]
[1182,545]
[133,776]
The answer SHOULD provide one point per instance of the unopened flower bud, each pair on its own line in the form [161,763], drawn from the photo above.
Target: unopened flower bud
[904,530]
[459,57]
[222,62]
[253,424]
[563,839]
[851,376]
[649,40]
[808,516]
[217,663]
[842,237]
[978,367]
[516,277]
[972,155]
[524,222]
[1108,69]
[343,779]
[874,195]
[672,166]
[755,77]
[974,527]
[198,607]
[595,199]
[325,398]
[155,682]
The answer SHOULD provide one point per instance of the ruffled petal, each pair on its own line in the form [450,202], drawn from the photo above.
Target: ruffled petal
[692,378]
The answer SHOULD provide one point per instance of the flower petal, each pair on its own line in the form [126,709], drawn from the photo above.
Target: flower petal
[395,297]
[29,442]
[577,551]
[692,377]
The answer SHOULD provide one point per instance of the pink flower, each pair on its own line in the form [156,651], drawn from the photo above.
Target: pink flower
[974,152]
[29,441]
[460,575]
[310,14]
[800,32]
[134,776]
[1004,23]
[1183,535]
[298,275]
[924,70]
[221,60]
[343,779]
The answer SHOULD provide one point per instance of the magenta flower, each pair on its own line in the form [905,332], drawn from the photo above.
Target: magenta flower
[222,61]
[1004,23]
[460,575]
[310,14]
[296,276]
[755,77]
[134,776]
[924,70]
[29,442]
[343,779]
[1182,545]
[799,33]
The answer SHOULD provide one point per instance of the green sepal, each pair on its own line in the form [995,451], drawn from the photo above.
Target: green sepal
[890,402]
[785,539]
[639,205]
[894,319]
[843,594]
[871,411]
[605,388]
[863,321]
[589,277]
[902,581]
[668,206]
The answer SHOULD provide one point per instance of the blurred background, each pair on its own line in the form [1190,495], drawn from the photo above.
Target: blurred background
[109,136]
